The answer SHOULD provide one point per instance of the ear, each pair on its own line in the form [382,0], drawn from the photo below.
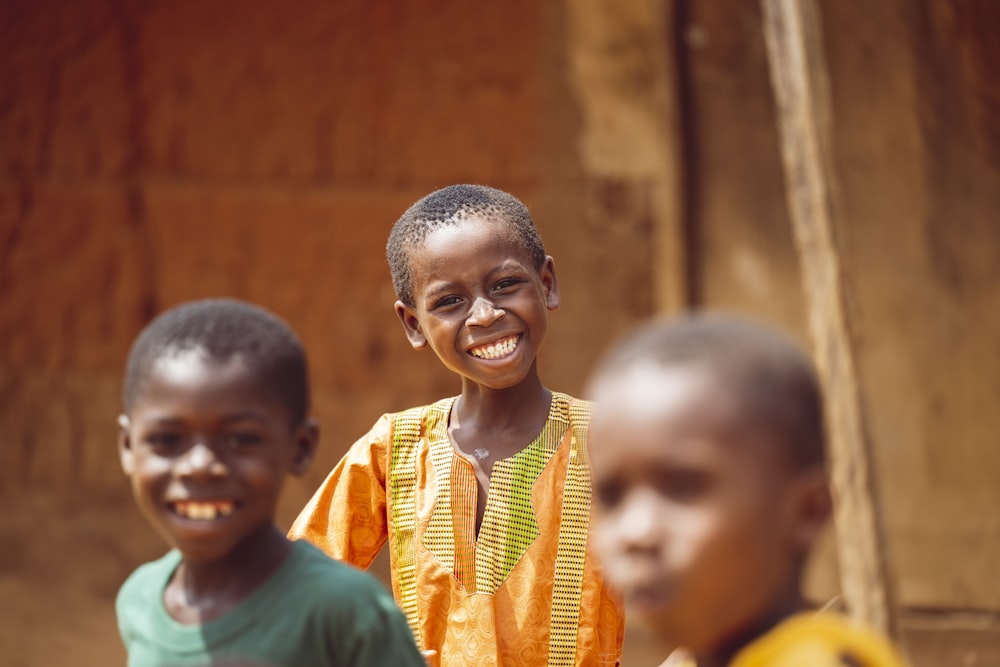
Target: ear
[812,505]
[411,325]
[550,283]
[306,441]
[125,453]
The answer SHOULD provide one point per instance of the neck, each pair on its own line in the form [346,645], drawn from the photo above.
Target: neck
[726,649]
[209,583]
[511,408]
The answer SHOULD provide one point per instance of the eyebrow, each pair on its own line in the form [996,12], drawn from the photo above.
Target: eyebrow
[247,415]
[434,291]
[506,266]
[509,265]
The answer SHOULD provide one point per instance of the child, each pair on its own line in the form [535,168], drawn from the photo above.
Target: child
[484,498]
[216,401]
[709,490]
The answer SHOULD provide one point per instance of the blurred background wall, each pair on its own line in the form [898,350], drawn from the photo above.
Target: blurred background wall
[154,152]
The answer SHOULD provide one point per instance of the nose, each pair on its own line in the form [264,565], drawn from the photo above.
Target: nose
[484,313]
[201,461]
[640,522]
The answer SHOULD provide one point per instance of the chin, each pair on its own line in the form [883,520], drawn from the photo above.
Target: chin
[664,623]
[497,382]
[659,636]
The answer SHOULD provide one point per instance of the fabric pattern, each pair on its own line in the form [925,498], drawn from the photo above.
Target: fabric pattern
[526,592]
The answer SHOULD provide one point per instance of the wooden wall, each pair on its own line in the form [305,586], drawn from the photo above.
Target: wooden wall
[154,152]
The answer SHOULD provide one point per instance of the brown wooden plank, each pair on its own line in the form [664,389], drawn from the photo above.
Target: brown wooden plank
[623,75]
[798,75]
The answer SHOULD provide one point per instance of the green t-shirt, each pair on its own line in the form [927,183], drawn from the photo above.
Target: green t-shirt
[312,611]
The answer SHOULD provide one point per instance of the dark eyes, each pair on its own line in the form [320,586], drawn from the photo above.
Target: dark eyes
[238,440]
[678,486]
[608,494]
[502,286]
[163,442]
[166,443]
[684,485]
[506,283]
[447,301]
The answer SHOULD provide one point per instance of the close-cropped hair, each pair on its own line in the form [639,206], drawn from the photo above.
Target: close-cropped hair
[769,376]
[451,206]
[222,330]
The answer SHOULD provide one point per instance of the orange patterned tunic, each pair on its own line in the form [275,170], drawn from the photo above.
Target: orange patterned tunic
[527,591]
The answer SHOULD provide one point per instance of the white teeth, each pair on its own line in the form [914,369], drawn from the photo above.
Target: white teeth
[203,511]
[498,349]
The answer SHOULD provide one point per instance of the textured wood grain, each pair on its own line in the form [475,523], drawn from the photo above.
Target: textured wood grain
[799,78]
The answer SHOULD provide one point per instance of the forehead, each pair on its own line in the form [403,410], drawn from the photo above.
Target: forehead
[673,414]
[190,377]
[648,392]
[471,238]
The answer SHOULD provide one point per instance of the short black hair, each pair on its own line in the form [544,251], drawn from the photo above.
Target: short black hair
[450,206]
[224,329]
[771,378]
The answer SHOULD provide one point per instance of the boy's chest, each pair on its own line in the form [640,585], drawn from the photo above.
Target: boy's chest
[480,456]
[479,525]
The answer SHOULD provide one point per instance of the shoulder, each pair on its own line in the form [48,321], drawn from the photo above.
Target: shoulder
[376,441]
[384,425]
[334,584]
[409,425]
[147,581]
[811,636]
[421,412]
[575,410]
[345,604]
[140,599]
[416,414]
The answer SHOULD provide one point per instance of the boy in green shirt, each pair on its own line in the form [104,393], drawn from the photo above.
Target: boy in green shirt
[216,405]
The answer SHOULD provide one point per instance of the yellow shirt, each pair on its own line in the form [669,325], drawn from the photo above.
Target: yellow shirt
[526,591]
[811,639]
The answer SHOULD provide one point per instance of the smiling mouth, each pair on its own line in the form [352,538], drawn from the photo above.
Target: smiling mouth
[497,349]
[203,511]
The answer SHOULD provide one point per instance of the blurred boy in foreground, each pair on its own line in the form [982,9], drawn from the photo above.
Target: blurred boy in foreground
[707,451]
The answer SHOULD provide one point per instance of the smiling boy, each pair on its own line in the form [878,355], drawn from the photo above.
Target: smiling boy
[709,491]
[215,417]
[484,498]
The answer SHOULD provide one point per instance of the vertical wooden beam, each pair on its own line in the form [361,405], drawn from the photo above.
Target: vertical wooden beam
[623,73]
[801,88]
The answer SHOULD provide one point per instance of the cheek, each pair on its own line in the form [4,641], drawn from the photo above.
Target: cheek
[707,542]
[150,473]
[694,534]
[611,552]
[603,535]
[540,311]
[262,475]
[149,484]
[721,551]
[439,336]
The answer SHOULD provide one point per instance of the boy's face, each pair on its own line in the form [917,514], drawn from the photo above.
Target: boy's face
[699,519]
[207,452]
[479,302]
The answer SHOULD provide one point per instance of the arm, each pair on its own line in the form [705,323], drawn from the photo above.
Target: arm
[346,516]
